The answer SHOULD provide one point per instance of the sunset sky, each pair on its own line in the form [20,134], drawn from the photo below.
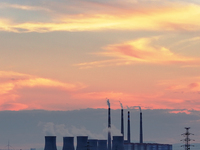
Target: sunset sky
[71,54]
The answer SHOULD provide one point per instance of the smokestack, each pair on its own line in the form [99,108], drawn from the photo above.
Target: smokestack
[68,143]
[129,129]
[81,143]
[50,143]
[102,145]
[122,120]
[109,126]
[122,123]
[141,131]
[118,143]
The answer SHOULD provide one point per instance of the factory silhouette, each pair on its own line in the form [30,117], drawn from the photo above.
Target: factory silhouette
[111,143]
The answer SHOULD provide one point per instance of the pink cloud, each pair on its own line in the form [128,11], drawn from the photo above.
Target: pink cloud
[13,106]
[171,17]
[22,91]
[143,50]
[194,85]
[139,51]
[184,87]
[29,93]
[180,111]
[13,80]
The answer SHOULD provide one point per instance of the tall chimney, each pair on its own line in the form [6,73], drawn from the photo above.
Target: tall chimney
[129,129]
[68,143]
[50,143]
[141,131]
[109,126]
[122,122]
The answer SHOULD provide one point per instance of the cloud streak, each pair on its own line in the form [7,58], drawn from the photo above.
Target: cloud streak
[164,18]
[139,51]
[22,91]
[12,85]
[23,7]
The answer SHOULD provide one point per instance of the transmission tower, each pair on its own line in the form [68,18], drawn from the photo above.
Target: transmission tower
[187,139]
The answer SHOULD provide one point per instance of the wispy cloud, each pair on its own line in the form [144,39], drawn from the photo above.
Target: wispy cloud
[29,92]
[139,51]
[23,7]
[12,85]
[13,106]
[167,18]
[190,87]
[11,80]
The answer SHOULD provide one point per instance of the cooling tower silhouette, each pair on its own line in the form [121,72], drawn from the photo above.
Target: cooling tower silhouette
[82,143]
[118,143]
[102,145]
[68,143]
[93,144]
[50,143]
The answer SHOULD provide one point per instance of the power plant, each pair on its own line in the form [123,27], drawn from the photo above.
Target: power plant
[112,143]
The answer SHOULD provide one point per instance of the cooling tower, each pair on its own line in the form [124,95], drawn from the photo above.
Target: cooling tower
[129,129]
[82,143]
[170,147]
[102,145]
[68,143]
[50,143]
[118,143]
[92,144]
[122,122]
[141,131]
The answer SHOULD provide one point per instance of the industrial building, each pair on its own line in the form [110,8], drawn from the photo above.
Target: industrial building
[112,143]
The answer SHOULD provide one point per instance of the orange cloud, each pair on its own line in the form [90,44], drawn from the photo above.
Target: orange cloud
[184,85]
[146,101]
[30,92]
[180,111]
[142,50]
[169,18]
[13,85]
[11,80]
[13,106]
[138,51]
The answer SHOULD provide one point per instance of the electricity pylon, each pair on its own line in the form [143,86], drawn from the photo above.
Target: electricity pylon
[187,139]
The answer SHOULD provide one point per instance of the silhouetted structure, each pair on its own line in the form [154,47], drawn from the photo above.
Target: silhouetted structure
[118,143]
[129,129]
[122,123]
[141,129]
[82,142]
[187,139]
[68,143]
[109,126]
[102,145]
[93,144]
[50,143]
